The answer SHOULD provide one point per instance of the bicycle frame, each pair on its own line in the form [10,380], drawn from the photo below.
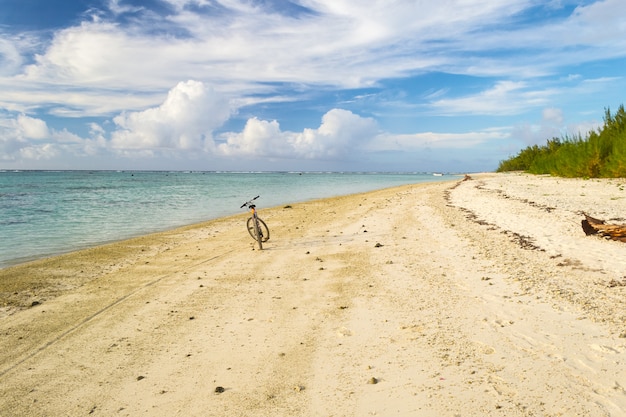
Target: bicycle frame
[257,229]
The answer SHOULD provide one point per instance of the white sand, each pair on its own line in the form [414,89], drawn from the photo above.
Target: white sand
[485,299]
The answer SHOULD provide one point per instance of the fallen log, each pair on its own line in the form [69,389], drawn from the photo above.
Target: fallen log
[592,226]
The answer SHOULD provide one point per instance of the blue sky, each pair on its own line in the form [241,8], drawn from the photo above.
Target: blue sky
[368,85]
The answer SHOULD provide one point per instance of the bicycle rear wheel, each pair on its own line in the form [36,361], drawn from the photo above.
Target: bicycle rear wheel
[264,231]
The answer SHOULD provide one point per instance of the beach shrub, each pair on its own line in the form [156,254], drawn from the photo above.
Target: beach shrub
[615,134]
[599,154]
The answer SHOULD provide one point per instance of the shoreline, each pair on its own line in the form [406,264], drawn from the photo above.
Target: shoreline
[62,237]
[414,300]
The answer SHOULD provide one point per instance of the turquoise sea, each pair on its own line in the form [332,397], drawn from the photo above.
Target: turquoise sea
[45,213]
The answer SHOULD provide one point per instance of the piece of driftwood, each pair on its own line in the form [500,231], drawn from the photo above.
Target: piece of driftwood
[592,226]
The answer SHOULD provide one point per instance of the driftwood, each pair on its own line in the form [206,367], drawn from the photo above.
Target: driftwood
[593,226]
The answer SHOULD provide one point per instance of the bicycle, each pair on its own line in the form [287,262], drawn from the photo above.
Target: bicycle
[256,227]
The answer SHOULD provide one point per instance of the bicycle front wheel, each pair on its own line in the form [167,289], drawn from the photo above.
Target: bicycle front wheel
[263,229]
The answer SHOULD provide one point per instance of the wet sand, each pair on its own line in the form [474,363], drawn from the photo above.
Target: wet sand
[464,298]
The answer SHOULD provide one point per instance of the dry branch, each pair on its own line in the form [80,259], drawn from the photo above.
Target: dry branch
[592,226]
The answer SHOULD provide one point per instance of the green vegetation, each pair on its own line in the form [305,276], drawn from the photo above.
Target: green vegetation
[601,154]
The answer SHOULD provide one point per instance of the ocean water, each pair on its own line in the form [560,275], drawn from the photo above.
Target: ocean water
[45,213]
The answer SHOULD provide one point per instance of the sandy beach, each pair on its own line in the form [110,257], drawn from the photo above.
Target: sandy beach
[462,298]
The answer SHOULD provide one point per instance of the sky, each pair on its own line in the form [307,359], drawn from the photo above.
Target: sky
[302,85]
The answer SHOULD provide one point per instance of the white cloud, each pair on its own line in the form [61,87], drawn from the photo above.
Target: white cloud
[258,138]
[31,128]
[10,142]
[185,120]
[100,55]
[504,98]
[256,52]
[102,67]
[22,137]
[10,57]
[117,8]
[29,138]
[245,46]
[553,116]
[340,133]
[66,137]
[599,23]
[551,125]
[437,140]
[184,123]
[39,152]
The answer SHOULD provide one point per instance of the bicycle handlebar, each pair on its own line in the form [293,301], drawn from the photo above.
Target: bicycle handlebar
[247,203]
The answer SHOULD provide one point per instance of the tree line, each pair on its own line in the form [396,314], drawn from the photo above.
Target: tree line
[601,154]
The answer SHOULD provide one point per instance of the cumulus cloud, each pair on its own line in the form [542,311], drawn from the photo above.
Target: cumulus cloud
[21,137]
[339,133]
[44,151]
[28,138]
[259,137]
[185,120]
[184,123]
[31,128]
